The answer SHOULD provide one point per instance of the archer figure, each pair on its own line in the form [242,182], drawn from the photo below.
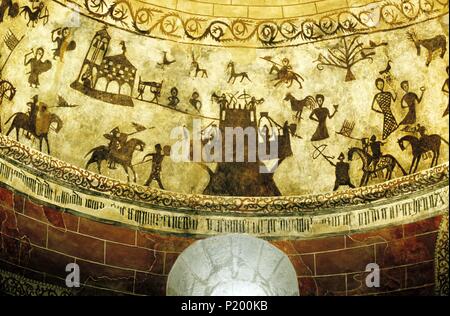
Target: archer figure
[342,172]
[251,105]
[341,168]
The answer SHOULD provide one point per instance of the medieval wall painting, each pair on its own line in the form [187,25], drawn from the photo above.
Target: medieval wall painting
[347,110]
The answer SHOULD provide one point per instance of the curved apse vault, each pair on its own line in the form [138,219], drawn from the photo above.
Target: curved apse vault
[114,152]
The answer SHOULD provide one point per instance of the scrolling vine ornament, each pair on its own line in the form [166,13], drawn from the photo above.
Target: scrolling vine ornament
[149,20]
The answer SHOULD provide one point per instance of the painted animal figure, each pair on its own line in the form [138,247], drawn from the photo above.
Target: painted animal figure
[234,75]
[285,76]
[386,162]
[196,67]
[283,72]
[432,45]
[22,121]
[35,14]
[298,105]
[155,89]
[122,156]
[421,146]
[165,62]
[8,5]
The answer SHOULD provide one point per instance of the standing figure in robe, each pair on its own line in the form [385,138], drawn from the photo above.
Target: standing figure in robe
[37,66]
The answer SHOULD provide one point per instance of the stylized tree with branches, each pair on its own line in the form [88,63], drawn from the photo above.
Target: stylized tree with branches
[346,54]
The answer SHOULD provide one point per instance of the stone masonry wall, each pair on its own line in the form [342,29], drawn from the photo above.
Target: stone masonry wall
[38,241]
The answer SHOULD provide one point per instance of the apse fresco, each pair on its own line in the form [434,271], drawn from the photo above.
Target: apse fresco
[302,109]
[368,107]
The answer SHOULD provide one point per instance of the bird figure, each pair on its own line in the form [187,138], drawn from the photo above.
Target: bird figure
[388,68]
[366,55]
[62,103]
[124,47]
[140,128]
[165,61]
[372,44]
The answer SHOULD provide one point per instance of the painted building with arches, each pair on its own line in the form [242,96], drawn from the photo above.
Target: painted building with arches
[108,78]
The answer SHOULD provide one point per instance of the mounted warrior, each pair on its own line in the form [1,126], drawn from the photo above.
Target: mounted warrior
[117,141]
[36,122]
[120,150]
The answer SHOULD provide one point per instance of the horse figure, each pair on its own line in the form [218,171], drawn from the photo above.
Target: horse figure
[122,156]
[298,105]
[22,121]
[234,75]
[421,146]
[196,67]
[433,44]
[387,162]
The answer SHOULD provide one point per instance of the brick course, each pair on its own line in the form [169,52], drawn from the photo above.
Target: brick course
[39,241]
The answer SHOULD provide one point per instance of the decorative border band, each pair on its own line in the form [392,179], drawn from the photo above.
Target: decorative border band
[429,202]
[86,194]
[158,22]
[441,258]
[77,178]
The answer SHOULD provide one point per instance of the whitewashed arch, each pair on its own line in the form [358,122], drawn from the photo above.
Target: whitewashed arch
[232,265]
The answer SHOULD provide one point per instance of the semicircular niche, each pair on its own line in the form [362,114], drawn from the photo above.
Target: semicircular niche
[232,265]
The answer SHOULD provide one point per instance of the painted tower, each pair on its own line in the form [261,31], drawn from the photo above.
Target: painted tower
[243,167]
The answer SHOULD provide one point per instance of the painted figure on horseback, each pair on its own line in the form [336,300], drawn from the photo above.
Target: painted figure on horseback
[376,162]
[37,122]
[120,151]
[422,145]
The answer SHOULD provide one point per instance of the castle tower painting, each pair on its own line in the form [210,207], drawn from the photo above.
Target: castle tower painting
[107,78]
[244,168]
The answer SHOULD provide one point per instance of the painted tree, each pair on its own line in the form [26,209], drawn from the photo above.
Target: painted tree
[346,54]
